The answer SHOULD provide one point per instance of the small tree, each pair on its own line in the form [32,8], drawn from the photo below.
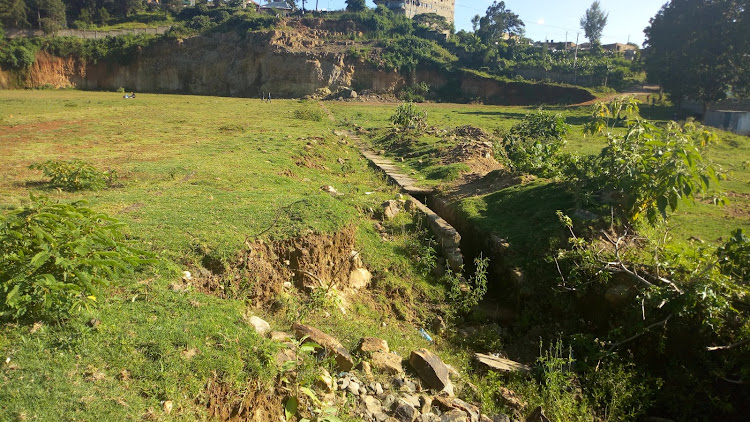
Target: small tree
[593,22]
[14,13]
[356,5]
[408,116]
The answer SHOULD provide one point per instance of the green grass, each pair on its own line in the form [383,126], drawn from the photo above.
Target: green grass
[702,219]
[199,176]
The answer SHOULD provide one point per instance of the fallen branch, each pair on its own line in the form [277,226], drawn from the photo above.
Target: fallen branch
[728,347]
[645,330]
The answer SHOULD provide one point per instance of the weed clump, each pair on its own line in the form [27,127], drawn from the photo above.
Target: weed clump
[54,257]
[75,175]
[309,114]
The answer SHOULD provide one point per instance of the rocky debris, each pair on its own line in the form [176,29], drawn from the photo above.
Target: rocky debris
[370,345]
[280,336]
[431,370]
[537,416]
[468,410]
[454,415]
[332,345]
[388,363]
[330,189]
[390,209]
[359,278]
[502,365]
[261,327]
[511,399]
[284,355]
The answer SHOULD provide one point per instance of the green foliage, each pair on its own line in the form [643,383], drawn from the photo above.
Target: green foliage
[54,258]
[409,117]
[557,389]
[734,257]
[685,54]
[533,145]
[356,5]
[312,114]
[618,391]
[466,294]
[406,53]
[593,22]
[647,170]
[17,54]
[75,175]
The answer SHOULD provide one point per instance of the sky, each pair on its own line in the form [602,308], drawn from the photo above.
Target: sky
[551,19]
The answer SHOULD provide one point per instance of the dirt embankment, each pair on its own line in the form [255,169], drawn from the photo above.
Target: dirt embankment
[291,63]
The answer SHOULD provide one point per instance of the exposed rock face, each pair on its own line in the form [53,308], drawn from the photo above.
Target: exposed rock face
[290,63]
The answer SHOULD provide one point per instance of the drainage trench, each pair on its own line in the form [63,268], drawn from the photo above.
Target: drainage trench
[459,241]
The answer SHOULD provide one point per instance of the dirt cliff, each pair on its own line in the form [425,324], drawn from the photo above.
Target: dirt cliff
[293,62]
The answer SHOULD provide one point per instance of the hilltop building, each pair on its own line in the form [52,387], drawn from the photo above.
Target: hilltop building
[410,8]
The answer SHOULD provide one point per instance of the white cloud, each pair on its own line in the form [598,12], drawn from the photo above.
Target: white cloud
[540,21]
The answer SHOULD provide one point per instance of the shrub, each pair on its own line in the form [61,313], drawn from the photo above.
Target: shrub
[309,114]
[734,257]
[534,145]
[409,116]
[55,257]
[75,175]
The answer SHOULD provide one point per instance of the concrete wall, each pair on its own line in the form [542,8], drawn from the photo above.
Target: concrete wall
[733,121]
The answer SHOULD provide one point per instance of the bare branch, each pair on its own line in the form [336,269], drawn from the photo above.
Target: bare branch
[728,347]
[645,330]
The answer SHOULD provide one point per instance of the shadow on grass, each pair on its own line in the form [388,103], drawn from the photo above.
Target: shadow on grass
[525,215]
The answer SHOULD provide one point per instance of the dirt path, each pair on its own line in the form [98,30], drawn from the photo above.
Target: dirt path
[633,92]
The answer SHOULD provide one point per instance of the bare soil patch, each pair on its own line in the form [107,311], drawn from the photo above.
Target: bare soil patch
[260,271]
[255,404]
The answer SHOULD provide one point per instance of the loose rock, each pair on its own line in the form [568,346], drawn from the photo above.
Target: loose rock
[332,345]
[404,412]
[387,362]
[359,278]
[390,209]
[261,327]
[537,416]
[431,370]
[369,345]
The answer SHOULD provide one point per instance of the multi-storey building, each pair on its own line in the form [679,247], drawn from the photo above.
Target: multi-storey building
[444,8]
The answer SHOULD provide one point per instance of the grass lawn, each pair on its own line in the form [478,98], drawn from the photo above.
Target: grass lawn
[199,176]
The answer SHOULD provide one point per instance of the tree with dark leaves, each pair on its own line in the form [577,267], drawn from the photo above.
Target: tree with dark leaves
[700,49]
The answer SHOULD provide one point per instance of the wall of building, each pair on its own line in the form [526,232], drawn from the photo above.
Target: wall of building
[733,121]
[411,8]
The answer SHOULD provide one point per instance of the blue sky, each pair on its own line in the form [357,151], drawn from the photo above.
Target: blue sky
[551,19]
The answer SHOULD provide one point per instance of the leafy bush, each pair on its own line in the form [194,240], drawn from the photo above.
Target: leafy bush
[409,116]
[734,257]
[17,54]
[55,257]
[75,175]
[466,294]
[533,146]
[648,170]
[314,115]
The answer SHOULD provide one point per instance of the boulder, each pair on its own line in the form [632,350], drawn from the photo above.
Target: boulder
[331,344]
[454,415]
[431,369]
[404,412]
[370,345]
[261,327]
[470,412]
[390,209]
[359,278]
[501,365]
[387,362]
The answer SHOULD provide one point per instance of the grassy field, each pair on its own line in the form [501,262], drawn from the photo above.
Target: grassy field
[199,176]
[700,220]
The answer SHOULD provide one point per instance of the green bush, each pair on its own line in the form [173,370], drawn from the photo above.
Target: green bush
[534,145]
[75,175]
[409,116]
[734,257]
[309,114]
[55,257]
